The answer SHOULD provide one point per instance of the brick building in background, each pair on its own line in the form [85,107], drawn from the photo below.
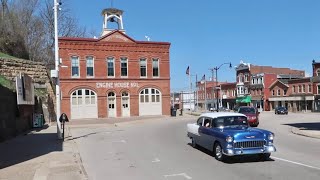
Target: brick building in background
[316,84]
[114,75]
[253,83]
[226,95]
[295,94]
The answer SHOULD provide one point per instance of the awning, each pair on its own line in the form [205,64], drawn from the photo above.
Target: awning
[244,99]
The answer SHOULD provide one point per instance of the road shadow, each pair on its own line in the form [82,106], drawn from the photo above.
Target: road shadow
[29,146]
[234,159]
[314,126]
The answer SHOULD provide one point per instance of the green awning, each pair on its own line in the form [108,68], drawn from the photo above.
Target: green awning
[244,99]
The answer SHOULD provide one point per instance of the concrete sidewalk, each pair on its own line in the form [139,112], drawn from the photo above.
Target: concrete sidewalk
[308,129]
[39,155]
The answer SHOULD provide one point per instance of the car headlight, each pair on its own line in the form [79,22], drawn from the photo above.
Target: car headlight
[229,139]
[271,136]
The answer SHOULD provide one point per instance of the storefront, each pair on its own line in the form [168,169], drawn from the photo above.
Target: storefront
[243,100]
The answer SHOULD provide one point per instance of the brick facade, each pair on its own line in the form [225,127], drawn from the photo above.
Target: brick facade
[253,83]
[115,45]
[226,93]
[295,95]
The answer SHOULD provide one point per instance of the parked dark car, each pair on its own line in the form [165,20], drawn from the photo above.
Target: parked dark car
[252,114]
[281,110]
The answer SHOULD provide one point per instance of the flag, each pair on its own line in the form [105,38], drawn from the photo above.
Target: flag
[203,77]
[188,70]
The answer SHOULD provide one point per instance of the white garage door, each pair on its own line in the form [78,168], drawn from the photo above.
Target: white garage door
[84,104]
[150,102]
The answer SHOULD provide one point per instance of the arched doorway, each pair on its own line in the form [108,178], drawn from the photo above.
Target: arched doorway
[150,102]
[84,104]
[112,110]
[125,104]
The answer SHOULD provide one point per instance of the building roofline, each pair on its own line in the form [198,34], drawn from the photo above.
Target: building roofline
[304,78]
[99,39]
[274,83]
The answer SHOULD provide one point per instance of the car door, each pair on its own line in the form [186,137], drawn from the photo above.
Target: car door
[216,133]
[199,138]
[205,132]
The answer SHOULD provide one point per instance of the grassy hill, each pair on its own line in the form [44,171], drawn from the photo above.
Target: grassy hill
[6,55]
[7,83]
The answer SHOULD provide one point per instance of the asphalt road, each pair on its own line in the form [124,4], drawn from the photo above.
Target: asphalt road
[159,149]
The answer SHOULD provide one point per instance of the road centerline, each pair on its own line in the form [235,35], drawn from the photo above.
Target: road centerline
[181,174]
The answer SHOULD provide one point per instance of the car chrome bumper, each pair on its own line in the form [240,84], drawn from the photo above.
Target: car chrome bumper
[238,151]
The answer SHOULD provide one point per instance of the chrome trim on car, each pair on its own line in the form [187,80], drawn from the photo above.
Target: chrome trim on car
[250,144]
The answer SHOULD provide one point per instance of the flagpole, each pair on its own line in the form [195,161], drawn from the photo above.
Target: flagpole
[190,90]
[205,94]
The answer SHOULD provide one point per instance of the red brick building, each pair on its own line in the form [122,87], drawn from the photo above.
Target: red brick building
[253,83]
[316,84]
[226,95]
[295,95]
[114,75]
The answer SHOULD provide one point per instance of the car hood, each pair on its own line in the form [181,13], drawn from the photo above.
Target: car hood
[246,133]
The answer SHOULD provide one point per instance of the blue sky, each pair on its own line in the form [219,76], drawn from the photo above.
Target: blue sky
[206,33]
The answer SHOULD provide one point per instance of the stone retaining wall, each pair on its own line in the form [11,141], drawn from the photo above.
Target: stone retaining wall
[10,68]
[14,118]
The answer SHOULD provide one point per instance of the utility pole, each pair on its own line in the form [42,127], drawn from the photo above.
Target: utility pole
[213,88]
[216,69]
[217,97]
[57,63]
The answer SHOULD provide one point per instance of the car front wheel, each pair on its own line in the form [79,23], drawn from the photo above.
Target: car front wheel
[218,152]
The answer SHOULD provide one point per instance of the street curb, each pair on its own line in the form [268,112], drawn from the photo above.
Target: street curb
[77,154]
[297,131]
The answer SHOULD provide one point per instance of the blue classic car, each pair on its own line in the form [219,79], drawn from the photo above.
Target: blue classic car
[228,134]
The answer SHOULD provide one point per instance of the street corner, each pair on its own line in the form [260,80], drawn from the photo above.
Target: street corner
[306,132]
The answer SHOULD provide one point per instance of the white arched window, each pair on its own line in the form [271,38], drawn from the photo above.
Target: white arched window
[84,104]
[150,102]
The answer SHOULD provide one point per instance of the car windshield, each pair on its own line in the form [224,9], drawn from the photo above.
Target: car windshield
[247,110]
[231,121]
[281,108]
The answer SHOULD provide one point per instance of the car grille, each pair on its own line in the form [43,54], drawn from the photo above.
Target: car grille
[249,144]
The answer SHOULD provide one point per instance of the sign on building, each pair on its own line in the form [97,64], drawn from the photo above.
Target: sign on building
[25,90]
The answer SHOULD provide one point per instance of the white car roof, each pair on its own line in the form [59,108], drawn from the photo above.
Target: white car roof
[221,114]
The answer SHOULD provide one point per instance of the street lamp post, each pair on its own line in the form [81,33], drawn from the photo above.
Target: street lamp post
[57,63]
[216,69]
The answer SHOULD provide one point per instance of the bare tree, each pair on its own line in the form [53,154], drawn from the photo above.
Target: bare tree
[68,25]
[4,8]
[27,28]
